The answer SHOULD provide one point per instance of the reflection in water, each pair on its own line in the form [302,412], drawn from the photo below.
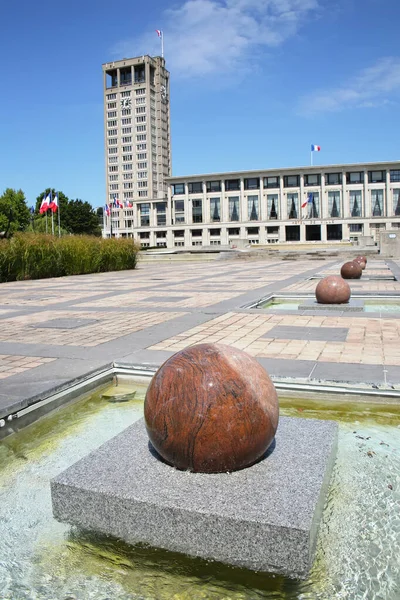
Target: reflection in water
[358,553]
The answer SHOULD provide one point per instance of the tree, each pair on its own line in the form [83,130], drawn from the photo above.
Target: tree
[82,218]
[100,215]
[14,213]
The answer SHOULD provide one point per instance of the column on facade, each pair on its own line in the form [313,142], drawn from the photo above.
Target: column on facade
[302,210]
[187,237]
[170,239]
[345,197]
[388,200]
[262,217]
[187,205]
[323,209]
[367,200]
[168,211]
[282,201]
[223,209]
[242,203]
[205,204]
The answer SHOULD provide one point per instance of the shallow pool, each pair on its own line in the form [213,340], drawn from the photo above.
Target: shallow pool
[370,306]
[358,554]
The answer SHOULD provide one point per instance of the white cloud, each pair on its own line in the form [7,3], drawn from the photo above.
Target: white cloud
[371,88]
[203,37]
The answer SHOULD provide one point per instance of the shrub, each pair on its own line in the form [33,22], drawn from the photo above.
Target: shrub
[36,256]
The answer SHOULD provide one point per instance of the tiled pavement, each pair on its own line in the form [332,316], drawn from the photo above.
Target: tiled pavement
[52,331]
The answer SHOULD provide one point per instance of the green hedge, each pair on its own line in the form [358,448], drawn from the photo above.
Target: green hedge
[36,256]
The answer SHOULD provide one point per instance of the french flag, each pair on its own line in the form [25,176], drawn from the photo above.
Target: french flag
[118,203]
[309,200]
[44,206]
[54,203]
[107,210]
[315,148]
[159,32]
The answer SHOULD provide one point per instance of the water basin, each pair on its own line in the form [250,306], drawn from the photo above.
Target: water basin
[381,305]
[358,554]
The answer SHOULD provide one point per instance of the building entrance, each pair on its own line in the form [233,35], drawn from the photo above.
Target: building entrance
[292,233]
[313,233]
[334,232]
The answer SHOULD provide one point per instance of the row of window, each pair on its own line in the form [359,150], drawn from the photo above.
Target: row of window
[253,183]
[126,94]
[311,210]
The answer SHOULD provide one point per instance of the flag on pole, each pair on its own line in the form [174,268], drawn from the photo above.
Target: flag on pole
[44,205]
[118,203]
[107,210]
[309,200]
[54,203]
[315,148]
[161,36]
[32,210]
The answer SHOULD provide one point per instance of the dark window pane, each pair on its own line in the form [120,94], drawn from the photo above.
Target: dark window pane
[215,209]
[252,183]
[333,178]
[312,179]
[213,186]
[197,211]
[178,188]
[376,176]
[271,182]
[394,175]
[232,185]
[355,177]
[291,180]
[195,188]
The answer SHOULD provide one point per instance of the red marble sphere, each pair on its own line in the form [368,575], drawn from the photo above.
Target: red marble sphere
[211,409]
[360,260]
[351,270]
[332,290]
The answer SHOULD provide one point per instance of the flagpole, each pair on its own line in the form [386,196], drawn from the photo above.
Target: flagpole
[162,44]
[59,217]
[46,223]
[311,158]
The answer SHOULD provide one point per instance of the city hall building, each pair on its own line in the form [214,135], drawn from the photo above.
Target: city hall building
[305,204]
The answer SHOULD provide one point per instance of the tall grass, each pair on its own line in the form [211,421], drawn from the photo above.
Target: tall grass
[36,256]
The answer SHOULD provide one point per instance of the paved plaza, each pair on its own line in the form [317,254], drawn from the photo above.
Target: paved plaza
[56,330]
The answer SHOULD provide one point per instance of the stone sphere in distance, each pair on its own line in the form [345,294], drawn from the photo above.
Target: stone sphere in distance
[361,262]
[211,408]
[332,290]
[362,258]
[351,270]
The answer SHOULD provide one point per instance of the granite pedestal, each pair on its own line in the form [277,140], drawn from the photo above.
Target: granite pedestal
[263,518]
[353,305]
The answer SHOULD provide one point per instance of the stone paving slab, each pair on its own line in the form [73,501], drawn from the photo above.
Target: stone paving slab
[327,334]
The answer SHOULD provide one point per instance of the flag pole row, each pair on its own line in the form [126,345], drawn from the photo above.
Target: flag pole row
[51,203]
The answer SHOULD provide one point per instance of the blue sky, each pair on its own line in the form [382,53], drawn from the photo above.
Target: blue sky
[253,84]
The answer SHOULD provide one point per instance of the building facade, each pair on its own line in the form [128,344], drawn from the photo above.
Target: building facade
[306,204]
[137,130]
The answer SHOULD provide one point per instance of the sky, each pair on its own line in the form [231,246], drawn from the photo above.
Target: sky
[253,84]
